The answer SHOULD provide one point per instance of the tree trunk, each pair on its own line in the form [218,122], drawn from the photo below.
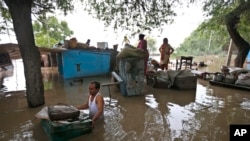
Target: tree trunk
[241,56]
[232,19]
[20,11]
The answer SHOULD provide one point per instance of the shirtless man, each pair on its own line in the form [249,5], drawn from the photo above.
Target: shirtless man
[95,103]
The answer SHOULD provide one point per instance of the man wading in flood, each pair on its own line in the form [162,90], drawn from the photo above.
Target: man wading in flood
[95,103]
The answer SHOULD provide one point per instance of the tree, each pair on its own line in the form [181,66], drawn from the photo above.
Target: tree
[151,45]
[49,31]
[5,20]
[234,15]
[139,16]
[125,14]
[232,19]
[20,11]
[134,15]
[204,40]
[216,26]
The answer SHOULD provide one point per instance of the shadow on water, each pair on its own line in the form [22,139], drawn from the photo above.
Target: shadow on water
[204,113]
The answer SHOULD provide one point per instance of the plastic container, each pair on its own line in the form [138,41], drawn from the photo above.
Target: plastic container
[102,45]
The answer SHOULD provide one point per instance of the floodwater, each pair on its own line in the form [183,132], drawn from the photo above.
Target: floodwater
[201,114]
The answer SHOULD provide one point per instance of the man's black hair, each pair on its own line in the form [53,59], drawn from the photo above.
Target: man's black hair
[97,84]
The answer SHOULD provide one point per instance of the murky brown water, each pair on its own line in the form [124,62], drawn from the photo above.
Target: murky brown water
[159,115]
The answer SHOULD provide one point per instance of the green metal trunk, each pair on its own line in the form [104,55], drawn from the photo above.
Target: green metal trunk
[65,130]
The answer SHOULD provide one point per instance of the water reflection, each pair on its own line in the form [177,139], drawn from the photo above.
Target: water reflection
[47,78]
[204,113]
[245,104]
[150,101]
[24,133]
[13,78]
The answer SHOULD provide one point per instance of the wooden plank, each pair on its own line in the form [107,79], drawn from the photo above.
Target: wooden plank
[117,77]
[44,49]
[110,84]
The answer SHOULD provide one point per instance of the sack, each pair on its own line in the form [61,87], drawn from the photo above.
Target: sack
[62,111]
[43,113]
[129,52]
[73,43]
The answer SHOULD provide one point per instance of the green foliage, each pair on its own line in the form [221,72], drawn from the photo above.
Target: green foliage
[133,15]
[5,19]
[39,9]
[244,26]
[151,45]
[212,37]
[140,16]
[203,42]
[209,39]
[49,31]
[45,41]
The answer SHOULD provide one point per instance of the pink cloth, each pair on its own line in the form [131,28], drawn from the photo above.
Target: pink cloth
[143,46]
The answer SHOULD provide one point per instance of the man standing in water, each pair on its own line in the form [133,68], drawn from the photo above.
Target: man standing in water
[95,103]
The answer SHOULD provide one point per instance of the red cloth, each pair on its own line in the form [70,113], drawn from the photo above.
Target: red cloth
[143,46]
